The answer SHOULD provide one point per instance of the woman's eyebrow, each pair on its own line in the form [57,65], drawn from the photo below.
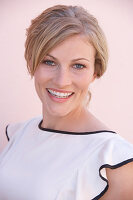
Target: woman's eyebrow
[76,59]
[52,56]
[81,59]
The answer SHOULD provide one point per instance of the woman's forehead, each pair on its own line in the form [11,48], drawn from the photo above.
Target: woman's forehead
[73,46]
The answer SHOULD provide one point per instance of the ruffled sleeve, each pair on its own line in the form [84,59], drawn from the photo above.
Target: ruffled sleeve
[14,128]
[11,130]
[115,153]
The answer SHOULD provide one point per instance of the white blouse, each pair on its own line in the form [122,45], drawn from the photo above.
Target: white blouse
[46,164]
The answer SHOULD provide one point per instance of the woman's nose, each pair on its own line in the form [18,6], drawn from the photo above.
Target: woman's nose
[63,78]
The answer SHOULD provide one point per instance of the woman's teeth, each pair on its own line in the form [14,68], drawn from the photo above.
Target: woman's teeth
[59,94]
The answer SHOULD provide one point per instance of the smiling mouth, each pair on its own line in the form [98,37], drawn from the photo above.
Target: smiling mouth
[60,95]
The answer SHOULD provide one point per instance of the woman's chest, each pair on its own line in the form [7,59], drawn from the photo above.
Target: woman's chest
[46,171]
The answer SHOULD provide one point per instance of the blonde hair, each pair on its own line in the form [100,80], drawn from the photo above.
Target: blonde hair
[56,24]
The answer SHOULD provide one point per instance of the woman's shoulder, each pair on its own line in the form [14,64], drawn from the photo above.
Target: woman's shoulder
[112,163]
[13,128]
[92,123]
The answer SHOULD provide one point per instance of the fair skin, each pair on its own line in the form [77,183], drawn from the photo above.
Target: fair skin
[69,70]
[120,183]
[64,69]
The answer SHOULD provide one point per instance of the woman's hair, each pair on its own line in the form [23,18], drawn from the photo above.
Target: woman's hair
[56,24]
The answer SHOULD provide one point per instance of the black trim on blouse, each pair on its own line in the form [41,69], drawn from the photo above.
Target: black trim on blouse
[7,133]
[104,179]
[86,133]
[71,133]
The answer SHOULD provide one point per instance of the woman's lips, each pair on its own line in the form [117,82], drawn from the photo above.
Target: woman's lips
[57,95]
[64,91]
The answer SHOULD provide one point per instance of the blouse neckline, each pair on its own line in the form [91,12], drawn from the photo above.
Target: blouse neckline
[70,132]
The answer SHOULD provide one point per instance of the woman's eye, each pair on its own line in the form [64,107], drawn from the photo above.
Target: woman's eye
[49,62]
[79,66]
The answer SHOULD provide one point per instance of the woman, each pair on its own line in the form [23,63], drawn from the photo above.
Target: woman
[68,154]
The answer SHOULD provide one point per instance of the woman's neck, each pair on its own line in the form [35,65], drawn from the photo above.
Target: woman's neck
[70,122]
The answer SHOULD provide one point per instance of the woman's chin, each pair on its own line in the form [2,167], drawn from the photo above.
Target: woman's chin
[58,113]
[55,112]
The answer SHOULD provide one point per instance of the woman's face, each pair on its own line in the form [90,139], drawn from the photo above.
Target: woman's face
[63,77]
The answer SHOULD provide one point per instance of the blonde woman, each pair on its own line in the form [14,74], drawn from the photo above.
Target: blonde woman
[67,153]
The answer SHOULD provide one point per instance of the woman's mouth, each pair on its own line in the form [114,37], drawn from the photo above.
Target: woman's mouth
[59,96]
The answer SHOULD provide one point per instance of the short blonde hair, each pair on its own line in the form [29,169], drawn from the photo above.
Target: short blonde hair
[56,24]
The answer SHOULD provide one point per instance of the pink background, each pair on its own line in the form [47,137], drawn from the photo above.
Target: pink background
[112,95]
